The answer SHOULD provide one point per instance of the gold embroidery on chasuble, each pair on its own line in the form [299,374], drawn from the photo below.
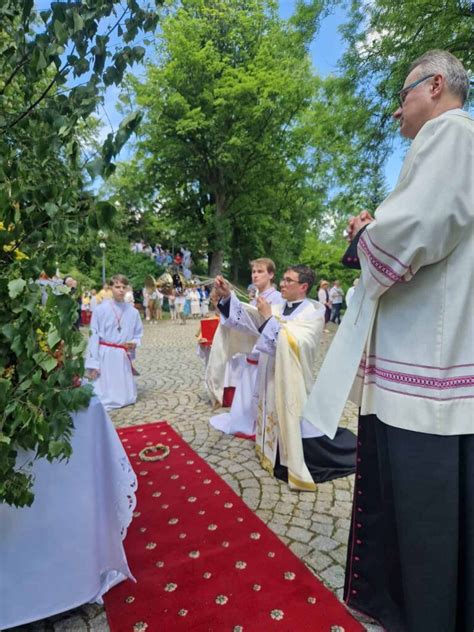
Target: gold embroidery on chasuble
[265,462]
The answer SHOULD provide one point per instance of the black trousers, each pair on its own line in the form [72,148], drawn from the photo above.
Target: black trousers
[326,459]
[410,561]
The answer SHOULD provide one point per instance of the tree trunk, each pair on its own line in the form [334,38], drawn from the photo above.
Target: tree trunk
[216,262]
[217,256]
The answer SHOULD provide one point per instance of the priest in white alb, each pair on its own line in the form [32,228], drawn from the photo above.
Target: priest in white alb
[116,330]
[406,347]
[287,337]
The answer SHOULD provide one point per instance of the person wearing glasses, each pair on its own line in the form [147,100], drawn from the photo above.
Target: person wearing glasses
[408,352]
[286,336]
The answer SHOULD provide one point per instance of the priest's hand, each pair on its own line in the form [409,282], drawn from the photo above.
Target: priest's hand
[356,223]
[264,308]
[222,287]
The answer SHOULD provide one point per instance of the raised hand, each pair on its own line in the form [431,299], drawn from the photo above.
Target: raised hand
[356,223]
[221,286]
[264,307]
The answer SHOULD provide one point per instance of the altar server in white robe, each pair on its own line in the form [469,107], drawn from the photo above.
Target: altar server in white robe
[115,332]
[242,416]
[287,336]
[407,347]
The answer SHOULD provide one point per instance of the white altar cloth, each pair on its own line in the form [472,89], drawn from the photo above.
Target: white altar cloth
[66,549]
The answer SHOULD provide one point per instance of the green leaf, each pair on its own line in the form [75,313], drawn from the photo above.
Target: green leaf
[53,338]
[60,32]
[78,21]
[51,209]
[16,287]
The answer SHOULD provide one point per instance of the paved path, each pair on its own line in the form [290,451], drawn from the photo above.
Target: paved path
[314,526]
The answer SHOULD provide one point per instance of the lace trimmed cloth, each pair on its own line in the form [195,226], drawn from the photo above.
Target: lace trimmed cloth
[67,548]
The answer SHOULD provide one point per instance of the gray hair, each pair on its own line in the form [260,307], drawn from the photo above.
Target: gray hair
[444,63]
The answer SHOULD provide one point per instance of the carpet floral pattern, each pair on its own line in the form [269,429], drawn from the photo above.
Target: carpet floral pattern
[203,561]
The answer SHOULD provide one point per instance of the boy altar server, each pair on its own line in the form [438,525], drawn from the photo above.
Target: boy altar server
[287,337]
[242,417]
[116,330]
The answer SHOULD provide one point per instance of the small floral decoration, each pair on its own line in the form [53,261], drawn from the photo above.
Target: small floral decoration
[312,600]
[133,454]
[207,575]
[129,599]
[228,505]
[271,554]
[160,564]
[161,433]
[143,473]
[156,494]
[240,564]
[289,576]
[140,626]
[182,612]
[175,447]
[256,587]
[255,535]
[142,529]
[212,527]
[222,599]
[167,467]
[192,499]
[136,514]
[189,462]
[277,615]
[207,481]
[151,545]
[149,443]
[173,521]
[194,554]
[198,471]
[226,544]
[171,587]
[202,512]
[182,536]
[240,519]
[173,477]
[237,628]
[183,487]
[141,430]
[337,628]
[165,506]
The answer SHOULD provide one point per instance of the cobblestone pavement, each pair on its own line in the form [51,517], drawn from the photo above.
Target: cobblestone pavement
[170,386]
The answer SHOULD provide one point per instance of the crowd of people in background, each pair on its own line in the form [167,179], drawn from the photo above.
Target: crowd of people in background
[183,302]
[164,258]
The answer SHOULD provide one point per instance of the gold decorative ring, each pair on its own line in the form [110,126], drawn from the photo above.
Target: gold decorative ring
[150,453]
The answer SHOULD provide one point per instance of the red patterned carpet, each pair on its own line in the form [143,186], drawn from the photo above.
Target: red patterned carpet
[203,561]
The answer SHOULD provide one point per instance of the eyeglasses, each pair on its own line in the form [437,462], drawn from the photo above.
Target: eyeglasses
[288,281]
[402,95]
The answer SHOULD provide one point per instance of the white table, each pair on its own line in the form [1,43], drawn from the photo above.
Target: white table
[66,549]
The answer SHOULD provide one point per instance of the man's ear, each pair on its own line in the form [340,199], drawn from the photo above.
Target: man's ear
[437,86]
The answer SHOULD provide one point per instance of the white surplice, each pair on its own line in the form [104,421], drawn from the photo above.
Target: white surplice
[115,323]
[242,371]
[406,343]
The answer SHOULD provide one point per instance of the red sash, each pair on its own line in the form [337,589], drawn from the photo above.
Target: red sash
[117,346]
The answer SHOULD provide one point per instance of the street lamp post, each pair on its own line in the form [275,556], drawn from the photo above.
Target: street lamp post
[103,246]
[173,235]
